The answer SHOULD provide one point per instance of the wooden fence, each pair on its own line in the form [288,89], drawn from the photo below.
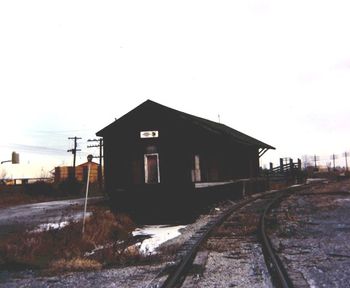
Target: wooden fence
[290,172]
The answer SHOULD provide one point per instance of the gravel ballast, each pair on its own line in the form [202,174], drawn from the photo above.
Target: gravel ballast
[313,233]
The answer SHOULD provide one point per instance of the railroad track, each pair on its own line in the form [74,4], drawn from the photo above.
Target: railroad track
[278,272]
[181,267]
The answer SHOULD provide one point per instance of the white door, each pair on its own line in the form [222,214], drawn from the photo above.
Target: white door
[152,168]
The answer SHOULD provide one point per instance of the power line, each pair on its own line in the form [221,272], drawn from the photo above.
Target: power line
[35,148]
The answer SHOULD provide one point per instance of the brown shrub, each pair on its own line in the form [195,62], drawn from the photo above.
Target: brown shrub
[105,225]
[38,250]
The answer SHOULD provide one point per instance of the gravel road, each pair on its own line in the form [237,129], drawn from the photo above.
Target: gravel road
[29,216]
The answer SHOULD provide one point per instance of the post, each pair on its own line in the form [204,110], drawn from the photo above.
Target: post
[291,164]
[315,160]
[100,179]
[281,165]
[333,157]
[87,192]
[271,166]
[299,164]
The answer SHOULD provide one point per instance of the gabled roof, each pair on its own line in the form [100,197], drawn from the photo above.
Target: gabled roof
[87,163]
[210,126]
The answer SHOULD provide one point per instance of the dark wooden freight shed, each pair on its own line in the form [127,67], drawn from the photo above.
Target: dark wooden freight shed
[154,148]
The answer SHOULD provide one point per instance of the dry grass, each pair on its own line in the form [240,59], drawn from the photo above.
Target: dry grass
[17,197]
[278,185]
[242,225]
[121,254]
[75,264]
[11,195]
[65,247]
[217,246]
[168,252]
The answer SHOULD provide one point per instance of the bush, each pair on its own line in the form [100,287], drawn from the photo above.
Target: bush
[70,186]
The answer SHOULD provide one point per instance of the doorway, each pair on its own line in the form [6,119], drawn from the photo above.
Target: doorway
[152,175]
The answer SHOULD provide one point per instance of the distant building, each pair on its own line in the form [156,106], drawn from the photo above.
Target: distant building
[81,171]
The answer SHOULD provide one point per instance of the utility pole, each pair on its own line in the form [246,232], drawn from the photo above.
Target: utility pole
[99,145]
[346,161]
[74,152]
[315,160]
[333,158]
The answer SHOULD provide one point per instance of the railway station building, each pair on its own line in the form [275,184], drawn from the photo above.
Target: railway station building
[157,148]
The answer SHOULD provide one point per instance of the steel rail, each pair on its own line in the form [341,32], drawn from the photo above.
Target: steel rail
[280,271]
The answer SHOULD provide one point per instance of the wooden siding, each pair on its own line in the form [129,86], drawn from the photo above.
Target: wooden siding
[65,172]
[220,159]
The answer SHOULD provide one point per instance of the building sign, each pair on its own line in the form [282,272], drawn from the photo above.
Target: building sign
[149,134]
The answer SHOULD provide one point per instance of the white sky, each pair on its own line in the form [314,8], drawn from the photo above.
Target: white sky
[276,70]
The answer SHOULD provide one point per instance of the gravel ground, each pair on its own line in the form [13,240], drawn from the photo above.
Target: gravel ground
[229,269]
[232,256]
[137,276]
[313,236]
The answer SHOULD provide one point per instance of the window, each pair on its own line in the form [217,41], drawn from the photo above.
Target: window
[196,172]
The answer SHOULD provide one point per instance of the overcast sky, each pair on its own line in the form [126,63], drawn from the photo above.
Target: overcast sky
[276,70]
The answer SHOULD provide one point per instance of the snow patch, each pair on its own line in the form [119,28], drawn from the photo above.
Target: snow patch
[59,224]
[342,200]
[50,226]
[312,180]
[158,235]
